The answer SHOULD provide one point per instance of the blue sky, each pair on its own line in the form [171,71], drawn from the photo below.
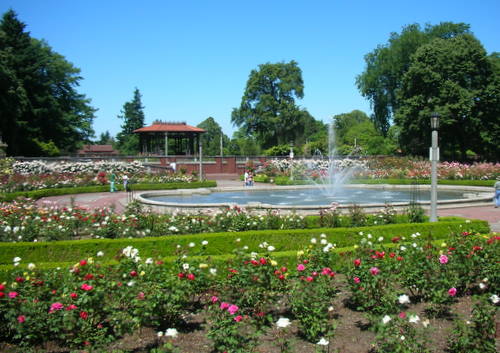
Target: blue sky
[191,59]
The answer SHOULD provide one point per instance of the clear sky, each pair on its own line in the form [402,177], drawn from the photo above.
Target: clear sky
[191,58]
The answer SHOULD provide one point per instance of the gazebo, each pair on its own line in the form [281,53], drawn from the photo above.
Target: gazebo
[170,138]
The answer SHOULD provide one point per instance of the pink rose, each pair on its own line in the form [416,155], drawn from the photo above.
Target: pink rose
[356,280]
[326,271]
[309,279]
[56,306]
[86,287]
[443,259]
[357,262]
[374,271]
[301,267]
[71,307]
[232,309]
[238,318]
[12,295]
[224,305]
[21,319]
[214,299]
[402,315]
[190,277]
[452,291]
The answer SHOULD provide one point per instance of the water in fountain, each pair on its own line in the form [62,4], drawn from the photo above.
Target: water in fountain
[334,175]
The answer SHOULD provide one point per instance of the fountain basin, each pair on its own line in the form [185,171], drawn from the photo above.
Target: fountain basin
[197,200]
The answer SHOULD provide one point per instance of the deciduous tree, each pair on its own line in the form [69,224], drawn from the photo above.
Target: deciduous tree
[211,139]
[268,111]
[456,78]
[387,64]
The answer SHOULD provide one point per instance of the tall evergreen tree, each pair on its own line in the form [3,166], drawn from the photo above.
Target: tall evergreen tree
[132,115]
[40,112]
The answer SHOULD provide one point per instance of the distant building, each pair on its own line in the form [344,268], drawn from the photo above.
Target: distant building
[97,150]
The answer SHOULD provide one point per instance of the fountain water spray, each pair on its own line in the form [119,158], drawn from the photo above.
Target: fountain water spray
[336,173]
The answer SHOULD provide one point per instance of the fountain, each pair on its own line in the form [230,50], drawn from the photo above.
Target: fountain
[332,178]
[331,188]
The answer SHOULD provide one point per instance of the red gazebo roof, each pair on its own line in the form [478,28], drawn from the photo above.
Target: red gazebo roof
[160,126]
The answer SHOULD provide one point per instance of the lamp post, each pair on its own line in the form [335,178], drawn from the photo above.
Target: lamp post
[434,156]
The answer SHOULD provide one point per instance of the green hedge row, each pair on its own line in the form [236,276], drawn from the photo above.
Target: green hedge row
[37,194]
[223,243]
[487,183]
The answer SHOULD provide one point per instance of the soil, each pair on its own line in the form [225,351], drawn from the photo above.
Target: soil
[352,333]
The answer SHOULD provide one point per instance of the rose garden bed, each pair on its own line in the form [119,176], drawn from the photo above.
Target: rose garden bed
[413,296]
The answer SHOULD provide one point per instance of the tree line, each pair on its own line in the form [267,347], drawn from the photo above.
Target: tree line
[442,68]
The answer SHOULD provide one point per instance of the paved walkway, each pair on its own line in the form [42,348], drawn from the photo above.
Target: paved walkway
[118,200]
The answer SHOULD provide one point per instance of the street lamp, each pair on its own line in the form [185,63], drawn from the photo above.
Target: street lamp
[434,157]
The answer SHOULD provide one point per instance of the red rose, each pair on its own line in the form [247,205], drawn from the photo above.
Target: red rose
[83,262]
[262,261]
[190,277]
[2,287]
[283,269]
[88,276]
[73,295]
[21,319]
[84,315]
[181,275]
[357,262]
[133,273]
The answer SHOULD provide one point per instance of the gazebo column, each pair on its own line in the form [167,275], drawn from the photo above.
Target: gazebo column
[201,157]
[166,143]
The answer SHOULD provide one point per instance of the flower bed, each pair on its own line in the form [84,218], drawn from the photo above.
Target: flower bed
[24,221]
[380,168]
[38,175]
[403,298]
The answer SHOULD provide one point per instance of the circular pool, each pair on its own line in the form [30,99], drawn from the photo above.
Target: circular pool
[309,198]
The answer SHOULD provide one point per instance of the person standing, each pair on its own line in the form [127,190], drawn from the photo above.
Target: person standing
[245,178]
[125,183]
[112,179]
[497,192]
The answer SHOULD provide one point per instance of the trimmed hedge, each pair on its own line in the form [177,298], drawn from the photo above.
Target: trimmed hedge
[223,243]
[37,194]
[425,182]
[487,183]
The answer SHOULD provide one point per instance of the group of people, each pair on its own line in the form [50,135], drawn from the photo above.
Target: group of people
[112,186]
[248,178]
